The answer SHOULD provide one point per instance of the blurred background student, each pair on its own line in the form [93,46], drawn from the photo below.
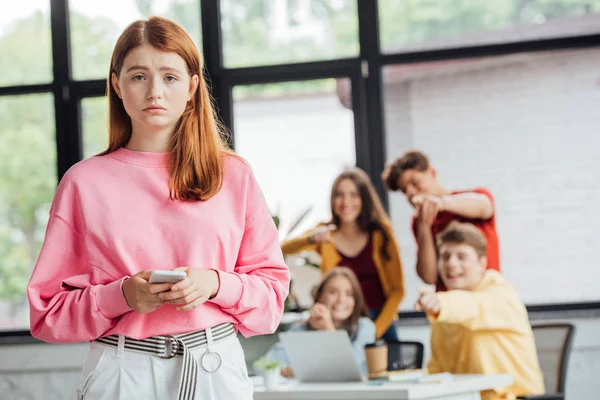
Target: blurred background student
[339,304]
[435,207]
[479,325]
[359,236]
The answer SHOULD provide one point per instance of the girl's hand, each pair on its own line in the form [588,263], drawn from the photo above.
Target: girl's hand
[141,296]
[320,318]
[321,234]
[199,286]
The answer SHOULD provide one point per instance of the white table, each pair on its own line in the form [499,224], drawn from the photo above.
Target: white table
[462,387]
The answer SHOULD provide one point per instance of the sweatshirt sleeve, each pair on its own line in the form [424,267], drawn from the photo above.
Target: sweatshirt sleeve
[497,309]
[254,293]
[66,305]
[364,336]
[433,367]
[489,195]
[296,245]
[395,274]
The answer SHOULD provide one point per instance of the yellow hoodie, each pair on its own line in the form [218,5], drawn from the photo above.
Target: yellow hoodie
[486,331]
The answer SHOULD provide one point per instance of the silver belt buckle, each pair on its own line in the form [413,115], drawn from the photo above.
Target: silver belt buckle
[171,346]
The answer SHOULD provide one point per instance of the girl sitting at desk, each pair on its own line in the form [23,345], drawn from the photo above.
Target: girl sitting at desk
[360,236]
[339,304]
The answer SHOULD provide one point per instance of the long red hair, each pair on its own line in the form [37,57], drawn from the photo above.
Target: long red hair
[198,143]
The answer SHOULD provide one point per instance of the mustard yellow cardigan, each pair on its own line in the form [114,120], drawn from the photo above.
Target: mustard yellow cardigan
[389,271]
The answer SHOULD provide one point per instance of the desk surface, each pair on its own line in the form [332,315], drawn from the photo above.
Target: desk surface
[293,390]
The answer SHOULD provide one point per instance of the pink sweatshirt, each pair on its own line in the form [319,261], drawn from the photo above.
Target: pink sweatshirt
[112,218]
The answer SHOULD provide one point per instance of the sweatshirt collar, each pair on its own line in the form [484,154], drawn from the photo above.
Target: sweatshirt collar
[141,158]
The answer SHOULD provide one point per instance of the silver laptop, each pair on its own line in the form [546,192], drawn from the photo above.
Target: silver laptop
[321,356]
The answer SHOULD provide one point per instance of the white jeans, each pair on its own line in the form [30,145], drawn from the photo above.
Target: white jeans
[128,375]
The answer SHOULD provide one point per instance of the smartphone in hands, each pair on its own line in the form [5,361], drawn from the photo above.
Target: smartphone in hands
[166,276]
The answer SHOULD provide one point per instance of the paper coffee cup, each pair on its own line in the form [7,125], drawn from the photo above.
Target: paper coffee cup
[377,357]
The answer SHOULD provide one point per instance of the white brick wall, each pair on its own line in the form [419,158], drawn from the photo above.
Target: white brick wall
[296,146]
[529,130]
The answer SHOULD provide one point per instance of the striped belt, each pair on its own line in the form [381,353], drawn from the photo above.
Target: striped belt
[170,346]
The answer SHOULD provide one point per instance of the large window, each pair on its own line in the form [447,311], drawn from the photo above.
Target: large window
[94,119]
[525,127]
[413,25]
[27,184]
[297,137]
[284,31]
[96,25]
[25,44]
[27,153]
[304,93]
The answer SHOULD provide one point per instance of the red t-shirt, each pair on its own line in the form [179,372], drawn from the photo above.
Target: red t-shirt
[364,267]
[487,226]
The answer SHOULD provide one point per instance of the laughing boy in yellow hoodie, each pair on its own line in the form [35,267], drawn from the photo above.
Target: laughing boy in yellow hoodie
[479,326]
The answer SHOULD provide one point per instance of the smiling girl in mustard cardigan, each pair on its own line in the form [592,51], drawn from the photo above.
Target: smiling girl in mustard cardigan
[359,236]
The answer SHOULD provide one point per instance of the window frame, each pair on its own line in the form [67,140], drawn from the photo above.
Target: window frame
[365,72]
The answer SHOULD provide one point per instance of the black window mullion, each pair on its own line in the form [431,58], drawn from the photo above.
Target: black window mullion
[361,128]
[66,107]
[212,46]
[82,89]
[225,110]
[374,148]
[25,89]
[493,50]
[290,72]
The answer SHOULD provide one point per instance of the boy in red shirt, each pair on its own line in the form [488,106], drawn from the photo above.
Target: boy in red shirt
[435,207]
